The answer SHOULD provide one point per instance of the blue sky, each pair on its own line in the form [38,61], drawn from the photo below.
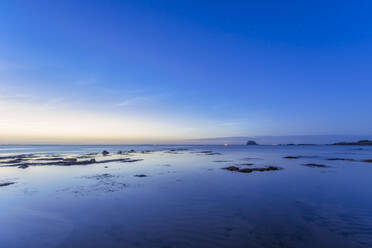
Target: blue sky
[138,71]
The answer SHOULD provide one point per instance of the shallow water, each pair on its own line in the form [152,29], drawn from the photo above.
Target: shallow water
[187,200]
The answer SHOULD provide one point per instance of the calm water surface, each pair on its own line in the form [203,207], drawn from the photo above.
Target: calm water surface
[187,200]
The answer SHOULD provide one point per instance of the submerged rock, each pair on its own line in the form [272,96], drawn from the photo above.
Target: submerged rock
[368,160]
[292,157]
[105,153]
[209,153]
[100,176]
[23,166]
[340,159]
[316,165]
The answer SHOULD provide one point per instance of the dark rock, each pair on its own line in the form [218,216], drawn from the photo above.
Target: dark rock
[105,153]
[6,184]
[131,151]
[231,168]
[209,153]
[91,161]
[140,175]
[358,143]
[23,166]
[49,159]
[73,161]
[249,170]
[292,157]
[248,164]
[69,161]
[21,156]
[368,160]
[146,151]
[245,170]
[251,143]
[14,161]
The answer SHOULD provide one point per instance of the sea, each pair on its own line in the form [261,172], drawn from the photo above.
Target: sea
[182,196]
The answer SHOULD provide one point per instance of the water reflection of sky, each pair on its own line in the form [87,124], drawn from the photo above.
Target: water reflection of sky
[188,201]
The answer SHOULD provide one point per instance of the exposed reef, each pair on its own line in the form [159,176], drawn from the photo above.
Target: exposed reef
[25,160]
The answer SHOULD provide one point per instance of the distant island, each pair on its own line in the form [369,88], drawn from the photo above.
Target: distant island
[358,143]
[251,143]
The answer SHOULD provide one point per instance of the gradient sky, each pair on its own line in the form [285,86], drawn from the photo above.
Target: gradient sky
[159,71]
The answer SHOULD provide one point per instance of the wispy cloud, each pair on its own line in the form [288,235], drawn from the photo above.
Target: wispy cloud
[134,101]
